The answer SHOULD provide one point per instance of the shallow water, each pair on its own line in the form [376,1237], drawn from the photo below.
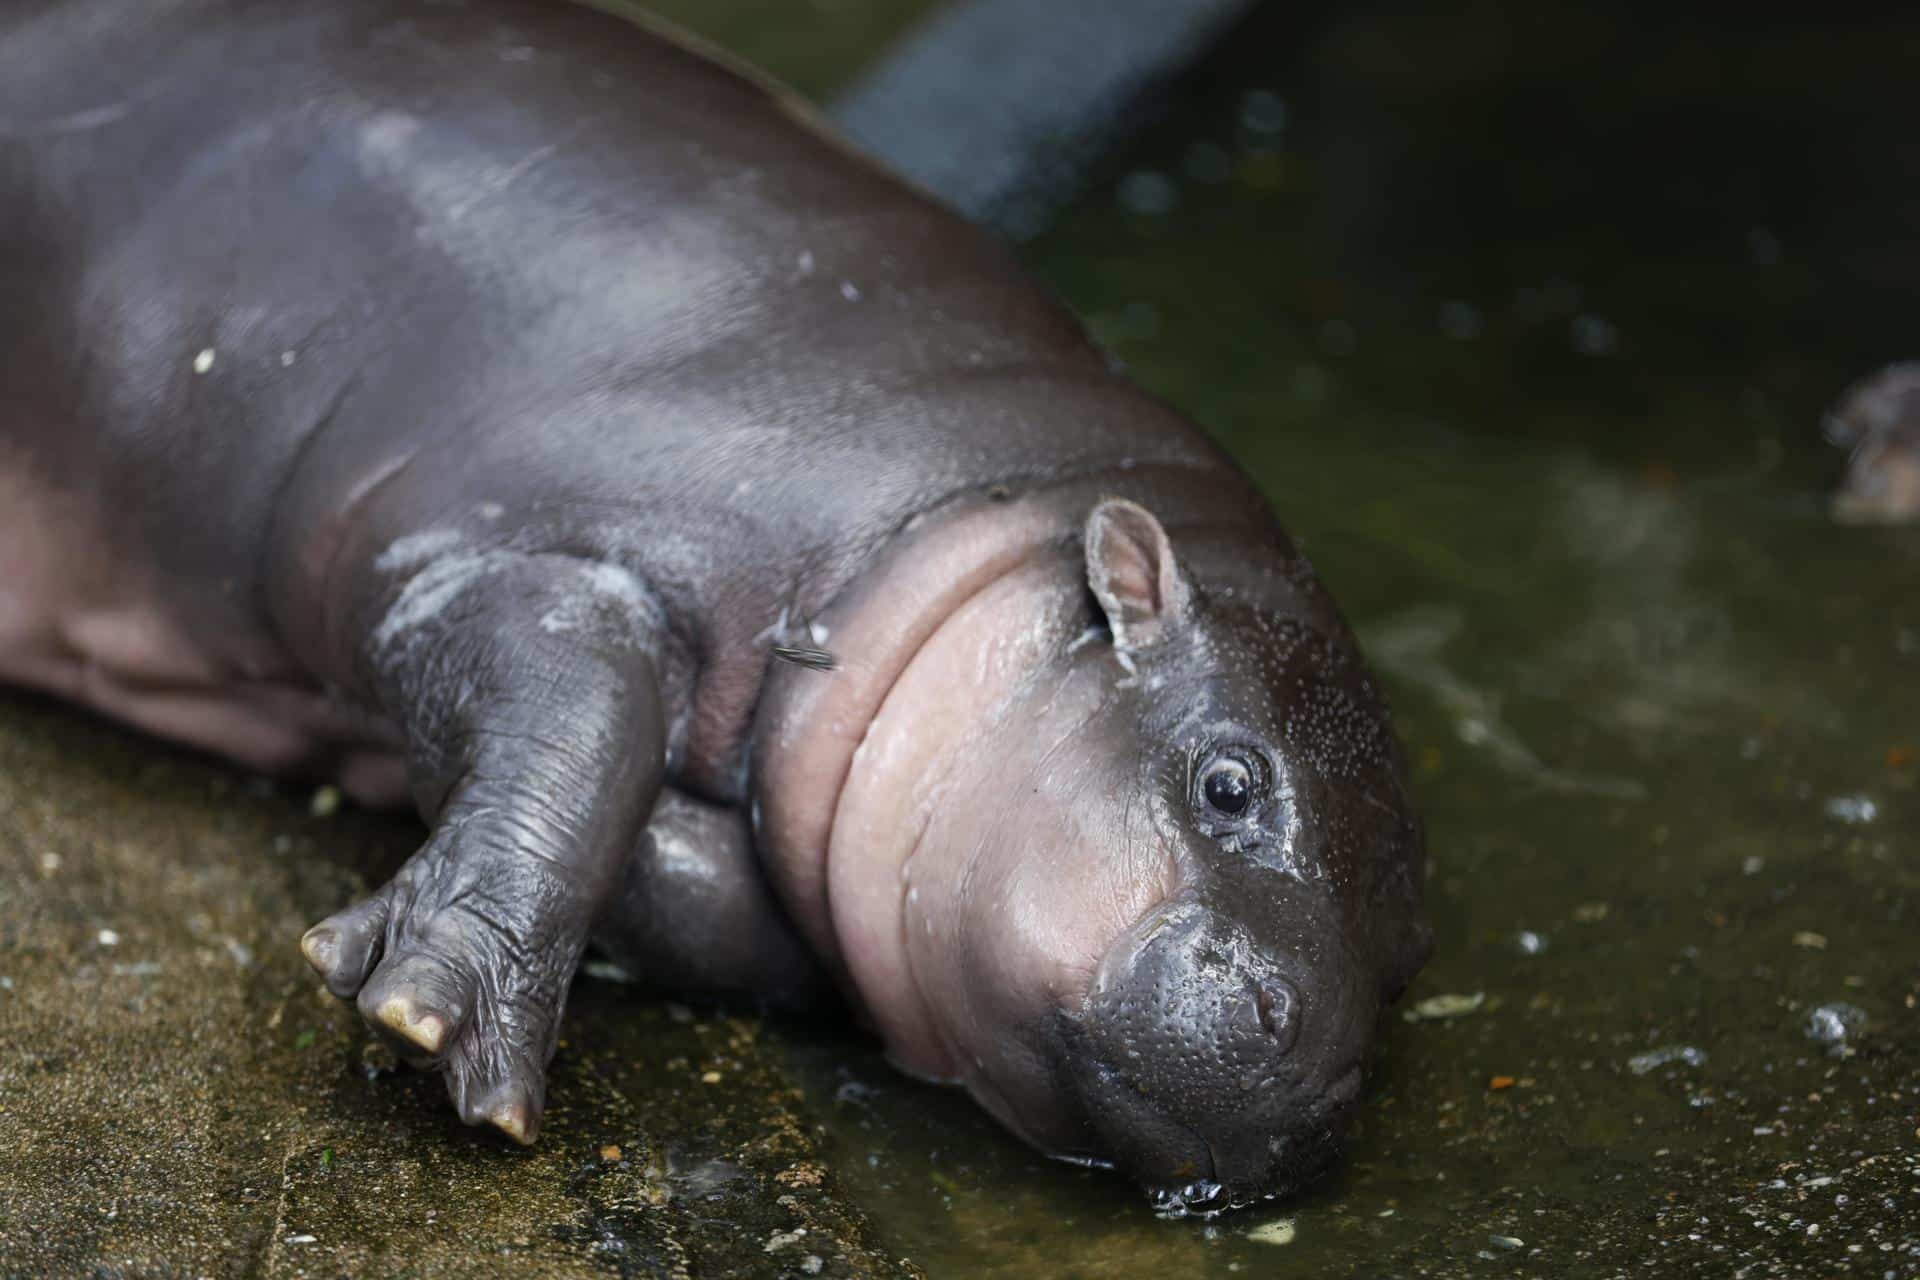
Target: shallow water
[1526,318]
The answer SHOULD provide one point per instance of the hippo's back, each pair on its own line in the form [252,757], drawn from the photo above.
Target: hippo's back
[310,279]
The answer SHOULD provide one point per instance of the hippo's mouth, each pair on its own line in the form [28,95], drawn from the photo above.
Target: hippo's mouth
[1184,1171]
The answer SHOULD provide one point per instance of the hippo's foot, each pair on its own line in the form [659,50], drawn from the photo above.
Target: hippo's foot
[535,751]
[696,914]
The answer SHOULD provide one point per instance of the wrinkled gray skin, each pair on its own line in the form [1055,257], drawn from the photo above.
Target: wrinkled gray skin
[1877,420]
[463,401]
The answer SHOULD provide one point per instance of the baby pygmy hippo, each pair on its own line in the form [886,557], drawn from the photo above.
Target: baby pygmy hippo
[467,401]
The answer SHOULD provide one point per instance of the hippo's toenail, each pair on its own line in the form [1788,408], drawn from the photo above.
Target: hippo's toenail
[512,1120]
[428,1031]
[321,947]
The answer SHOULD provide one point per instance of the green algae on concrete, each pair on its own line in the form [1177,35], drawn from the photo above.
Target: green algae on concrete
[178,1096]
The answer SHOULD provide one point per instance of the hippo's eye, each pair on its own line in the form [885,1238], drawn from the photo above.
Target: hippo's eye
[1228,785]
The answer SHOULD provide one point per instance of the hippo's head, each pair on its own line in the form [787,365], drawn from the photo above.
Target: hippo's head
[1164,892]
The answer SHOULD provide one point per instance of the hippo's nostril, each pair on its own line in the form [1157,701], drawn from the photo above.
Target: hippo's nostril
[1279,1009]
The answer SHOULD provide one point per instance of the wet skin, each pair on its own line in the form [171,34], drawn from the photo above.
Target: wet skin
[467,402]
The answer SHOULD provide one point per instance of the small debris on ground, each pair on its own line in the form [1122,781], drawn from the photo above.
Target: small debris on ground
[786,1239]
[1835,1023]
[606,971]
[1451,1005]
[1641,1063]
[1855,810]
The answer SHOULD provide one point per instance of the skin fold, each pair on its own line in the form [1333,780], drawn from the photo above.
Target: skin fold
[468,402]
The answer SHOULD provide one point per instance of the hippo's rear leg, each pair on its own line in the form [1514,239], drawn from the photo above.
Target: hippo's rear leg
[697,914]
[528,694]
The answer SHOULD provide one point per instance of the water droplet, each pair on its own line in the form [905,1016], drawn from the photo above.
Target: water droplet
[1208,162]
[1593,336]
[1855,809]
[1460,320]
[1263,111]
[1148,193]
[1835,1023]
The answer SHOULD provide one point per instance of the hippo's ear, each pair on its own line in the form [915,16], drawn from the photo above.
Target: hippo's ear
[1131,569]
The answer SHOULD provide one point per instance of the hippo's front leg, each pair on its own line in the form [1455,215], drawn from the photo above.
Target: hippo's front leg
[527,690]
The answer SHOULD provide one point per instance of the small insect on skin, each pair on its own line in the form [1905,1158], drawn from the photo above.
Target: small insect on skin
[806,655]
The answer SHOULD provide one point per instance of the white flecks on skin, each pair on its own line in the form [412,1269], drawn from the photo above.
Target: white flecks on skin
[387,136]
[440,581]
[490,511]
[850,291]
[416,549]
[203,363]
[785,630]
[433,588]
[605,584]
[806,262]
[287,358]
[498,179]
[74,122]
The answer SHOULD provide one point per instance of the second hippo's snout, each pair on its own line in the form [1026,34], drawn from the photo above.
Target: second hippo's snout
[1216,1068]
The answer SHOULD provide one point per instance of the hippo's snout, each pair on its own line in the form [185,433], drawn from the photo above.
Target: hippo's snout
[1216,1069]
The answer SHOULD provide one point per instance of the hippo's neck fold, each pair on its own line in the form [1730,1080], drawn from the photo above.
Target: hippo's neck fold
[837,811]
